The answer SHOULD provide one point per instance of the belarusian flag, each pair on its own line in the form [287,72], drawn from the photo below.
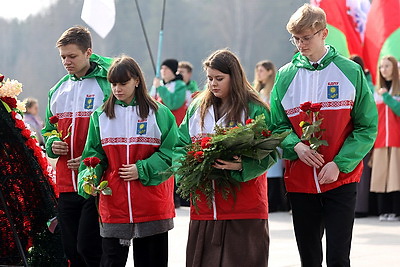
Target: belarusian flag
[346,24]
[382,34]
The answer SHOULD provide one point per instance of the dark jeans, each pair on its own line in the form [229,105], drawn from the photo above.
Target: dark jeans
[332,211]
[150,251]
[80,231]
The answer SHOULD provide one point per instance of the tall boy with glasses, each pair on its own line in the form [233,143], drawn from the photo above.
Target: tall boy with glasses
[322,182]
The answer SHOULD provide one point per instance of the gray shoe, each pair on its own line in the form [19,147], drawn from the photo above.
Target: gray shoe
[393,218]
[383,217]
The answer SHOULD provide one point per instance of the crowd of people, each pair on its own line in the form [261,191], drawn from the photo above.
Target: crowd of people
[105,110]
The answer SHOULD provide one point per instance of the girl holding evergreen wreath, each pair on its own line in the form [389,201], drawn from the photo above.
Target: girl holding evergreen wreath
[133,136]
[234,231]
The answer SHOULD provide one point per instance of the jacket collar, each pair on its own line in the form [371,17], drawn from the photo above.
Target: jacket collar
[98,66]
[303,62]
[121,103]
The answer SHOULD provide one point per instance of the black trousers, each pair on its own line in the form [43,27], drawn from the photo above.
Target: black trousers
[150,251]
[332,211]
[80,232]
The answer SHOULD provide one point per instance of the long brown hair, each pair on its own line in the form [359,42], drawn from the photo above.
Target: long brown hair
[241,92]
[269,83]
[380,81]
[122,70]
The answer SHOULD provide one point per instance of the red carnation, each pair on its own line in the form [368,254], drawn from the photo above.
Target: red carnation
[53,119]
[10,101]
[31,143]
[26,133]
[20,124]
[91,162]
[248,121]
[1,78]
[305,106]
[266,133]
[14,115]
[316,107]
[205,142]
[191,153]
[199,156]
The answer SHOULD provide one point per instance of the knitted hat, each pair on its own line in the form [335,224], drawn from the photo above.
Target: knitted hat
[172,64]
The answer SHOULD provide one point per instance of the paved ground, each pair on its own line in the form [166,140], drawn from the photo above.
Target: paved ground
[374,243]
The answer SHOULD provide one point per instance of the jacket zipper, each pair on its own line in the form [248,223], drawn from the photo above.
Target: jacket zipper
[386,125]
[128,131]
[315,86]
[213,202]
[74,110]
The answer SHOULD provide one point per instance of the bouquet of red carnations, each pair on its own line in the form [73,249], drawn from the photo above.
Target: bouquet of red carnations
[252,140]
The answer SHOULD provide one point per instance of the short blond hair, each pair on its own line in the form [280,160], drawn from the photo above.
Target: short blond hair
[306,17]
[186,65]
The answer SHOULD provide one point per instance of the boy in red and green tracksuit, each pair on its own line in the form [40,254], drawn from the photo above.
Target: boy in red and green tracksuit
[322,183]
[171,91]
[185,69]
[72,100]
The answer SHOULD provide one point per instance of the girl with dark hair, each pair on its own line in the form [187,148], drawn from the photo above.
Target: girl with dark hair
[133,136]
[234,232]
[385,177]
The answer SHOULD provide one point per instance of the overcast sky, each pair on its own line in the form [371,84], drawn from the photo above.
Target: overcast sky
[21,9]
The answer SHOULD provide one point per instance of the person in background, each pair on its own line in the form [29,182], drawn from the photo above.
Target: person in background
[385,177]
[264,78]
[141,204]
[363,187]
[171,90]
[185,69]
[72,100]
[32,118]
[235,231]
[322,182]
[367,74]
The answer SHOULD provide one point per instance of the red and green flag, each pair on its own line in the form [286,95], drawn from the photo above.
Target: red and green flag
[382,34]
[346,24]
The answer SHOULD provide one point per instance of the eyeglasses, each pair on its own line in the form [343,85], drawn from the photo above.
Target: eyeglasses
[305,40]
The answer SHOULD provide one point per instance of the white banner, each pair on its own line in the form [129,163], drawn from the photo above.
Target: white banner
[99,15]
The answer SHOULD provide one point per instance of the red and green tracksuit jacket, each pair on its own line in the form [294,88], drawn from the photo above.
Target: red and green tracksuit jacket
[173,95]
[128,139]
[388,120]
[348,111]
[251,199]
[73,100]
